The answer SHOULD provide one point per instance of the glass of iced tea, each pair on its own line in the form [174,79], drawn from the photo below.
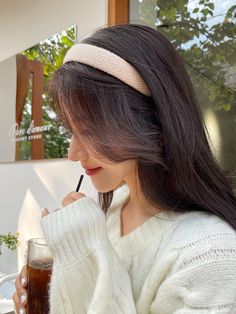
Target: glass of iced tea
[39,268]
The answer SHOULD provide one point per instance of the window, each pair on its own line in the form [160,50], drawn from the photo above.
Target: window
[203,31]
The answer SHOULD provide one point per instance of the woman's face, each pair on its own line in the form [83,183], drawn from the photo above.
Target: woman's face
[105,175]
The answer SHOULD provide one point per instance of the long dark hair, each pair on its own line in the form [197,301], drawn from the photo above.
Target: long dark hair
[164,133]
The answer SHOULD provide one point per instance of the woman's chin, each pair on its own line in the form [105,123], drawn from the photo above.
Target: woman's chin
[105,189]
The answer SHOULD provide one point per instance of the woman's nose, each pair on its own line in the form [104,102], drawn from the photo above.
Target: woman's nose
[77,152]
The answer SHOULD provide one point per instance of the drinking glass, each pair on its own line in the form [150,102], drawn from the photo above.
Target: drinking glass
[39,268]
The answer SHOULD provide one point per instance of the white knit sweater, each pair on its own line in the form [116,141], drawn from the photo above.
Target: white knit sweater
[172,264]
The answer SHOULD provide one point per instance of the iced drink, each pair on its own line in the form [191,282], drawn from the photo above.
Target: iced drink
[39,268]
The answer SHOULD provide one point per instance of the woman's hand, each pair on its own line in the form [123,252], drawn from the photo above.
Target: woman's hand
[70,198]
[20,296]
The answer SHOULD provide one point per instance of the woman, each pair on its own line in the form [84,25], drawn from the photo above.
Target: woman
[166,242]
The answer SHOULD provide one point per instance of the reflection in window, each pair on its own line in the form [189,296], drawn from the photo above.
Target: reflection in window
[23,150]
[39,131]
[203,32]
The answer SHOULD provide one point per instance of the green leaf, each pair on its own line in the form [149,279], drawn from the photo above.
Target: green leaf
[227,107]
[10,240]
[66,41]
[211,6]
[205,11]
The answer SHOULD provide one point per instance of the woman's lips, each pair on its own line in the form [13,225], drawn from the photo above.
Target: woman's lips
[91,172]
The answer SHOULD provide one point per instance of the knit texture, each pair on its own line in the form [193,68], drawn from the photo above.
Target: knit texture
[107,62]
[171,264]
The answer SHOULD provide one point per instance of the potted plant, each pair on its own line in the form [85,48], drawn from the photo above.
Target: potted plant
[10,240]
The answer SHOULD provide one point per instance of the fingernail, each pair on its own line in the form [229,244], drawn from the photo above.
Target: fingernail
[23,281]
[21,311]
[22,299]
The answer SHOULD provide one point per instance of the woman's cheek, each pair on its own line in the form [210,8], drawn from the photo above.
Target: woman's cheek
[106,181]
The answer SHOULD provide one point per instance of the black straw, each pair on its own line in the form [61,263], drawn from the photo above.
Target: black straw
[79,183]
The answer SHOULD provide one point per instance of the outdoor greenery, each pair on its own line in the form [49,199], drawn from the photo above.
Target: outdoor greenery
[10,240]
[208,47]
[203,31]
[50,53]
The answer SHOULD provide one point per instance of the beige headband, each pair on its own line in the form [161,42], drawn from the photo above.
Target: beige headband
[108,62]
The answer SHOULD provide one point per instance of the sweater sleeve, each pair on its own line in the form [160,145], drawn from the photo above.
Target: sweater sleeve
[202,283]
[88,276]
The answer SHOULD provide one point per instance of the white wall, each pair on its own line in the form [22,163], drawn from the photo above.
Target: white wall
[25,187]
[24,23]
[7,107]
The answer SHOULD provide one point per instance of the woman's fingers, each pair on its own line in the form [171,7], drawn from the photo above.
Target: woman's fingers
[71,197]
[21,280]
[19,308]
[45,212]
[20,296]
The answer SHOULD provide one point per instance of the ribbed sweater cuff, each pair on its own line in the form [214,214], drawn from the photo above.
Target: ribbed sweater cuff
[75,231]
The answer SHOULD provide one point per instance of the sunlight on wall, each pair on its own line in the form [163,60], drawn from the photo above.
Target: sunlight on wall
[28,225]
[48,177]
